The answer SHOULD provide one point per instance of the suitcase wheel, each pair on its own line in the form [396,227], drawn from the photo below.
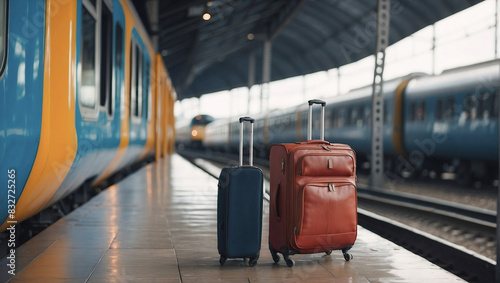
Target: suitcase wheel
[348,256]
[253,261]
[222,260]
[328,252]
[289,262]
[275,255]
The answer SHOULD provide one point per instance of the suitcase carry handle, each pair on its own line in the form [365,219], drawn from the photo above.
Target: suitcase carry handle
[251,120]
[309,124]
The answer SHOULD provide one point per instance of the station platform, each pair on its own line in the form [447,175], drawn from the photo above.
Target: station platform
[159,225]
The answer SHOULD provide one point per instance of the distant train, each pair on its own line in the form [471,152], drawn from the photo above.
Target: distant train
[190,134]
[432,124]
[83,96]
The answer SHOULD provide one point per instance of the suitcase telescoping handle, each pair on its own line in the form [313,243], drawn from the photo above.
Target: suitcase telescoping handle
[251,120]
[309,124]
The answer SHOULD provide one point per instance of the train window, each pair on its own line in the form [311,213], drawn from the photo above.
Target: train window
[471,107]
[338,117]
[482,106]
[494,103]
[147,91]
[119,56]
[487,106]
[3,34]
[449,109]
[350,116]
[421,111]
[439,110]
[317,121]
[133,99]
[119,46]
[386,113]
[106,60]
[88,81]
[413,110]
[328,121]
[361,116]
[136,80]
[368,115]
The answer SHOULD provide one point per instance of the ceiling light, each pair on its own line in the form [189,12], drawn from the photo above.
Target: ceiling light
[206,16]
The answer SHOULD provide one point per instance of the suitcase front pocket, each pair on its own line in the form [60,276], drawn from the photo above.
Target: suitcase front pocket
[327,208]
[340,165]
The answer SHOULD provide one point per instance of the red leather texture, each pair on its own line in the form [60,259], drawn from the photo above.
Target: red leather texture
[326,165]
[326,210]
[313,206]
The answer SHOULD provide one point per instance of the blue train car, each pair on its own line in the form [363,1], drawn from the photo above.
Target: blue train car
[431,123]
[452,119]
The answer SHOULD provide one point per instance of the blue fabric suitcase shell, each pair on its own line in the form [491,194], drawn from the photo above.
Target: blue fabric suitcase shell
[239,211]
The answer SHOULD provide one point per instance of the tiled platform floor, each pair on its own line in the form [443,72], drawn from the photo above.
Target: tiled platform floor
[158,225]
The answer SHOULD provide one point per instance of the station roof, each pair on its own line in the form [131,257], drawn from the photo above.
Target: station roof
[307,36]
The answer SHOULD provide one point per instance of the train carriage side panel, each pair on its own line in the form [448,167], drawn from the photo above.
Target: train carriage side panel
[349,120]
[137,121]
[150,94]
[282,126]
[350,117]
[21,97]
[163,133]
[57,59]
[170,130]
[120,64]
[449,115]
[97,122]
[171,134]
[398,119]
[217,135]
[159,78]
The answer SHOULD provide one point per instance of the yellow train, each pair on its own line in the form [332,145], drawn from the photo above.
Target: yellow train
[191,133]
[84,94]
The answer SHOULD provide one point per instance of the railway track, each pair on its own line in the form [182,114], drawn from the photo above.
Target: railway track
[461,240]
[458,238]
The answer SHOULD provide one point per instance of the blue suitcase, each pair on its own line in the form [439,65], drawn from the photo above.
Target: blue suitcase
[239,208]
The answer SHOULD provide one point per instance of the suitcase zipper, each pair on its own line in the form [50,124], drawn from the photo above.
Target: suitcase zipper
[331,187]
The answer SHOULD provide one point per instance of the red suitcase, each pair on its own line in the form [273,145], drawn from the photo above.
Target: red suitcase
[313,206]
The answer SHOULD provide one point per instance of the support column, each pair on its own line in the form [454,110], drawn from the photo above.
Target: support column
[266,76]
[251,78]
[377,155]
